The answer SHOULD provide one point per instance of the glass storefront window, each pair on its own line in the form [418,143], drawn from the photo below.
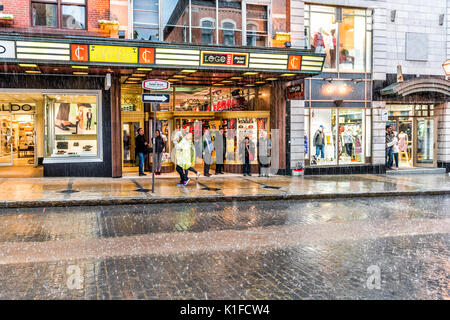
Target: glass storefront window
[323,36]
[203,18]
[71,126]
[236,99]
[145,19]
[175,20]
[347,43]
[192,99]
[352,40]
[323,144]
[351,136]
[257,25]
[230,22]
[336,136]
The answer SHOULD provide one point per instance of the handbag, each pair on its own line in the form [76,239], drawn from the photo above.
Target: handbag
[250,156]
[148,149]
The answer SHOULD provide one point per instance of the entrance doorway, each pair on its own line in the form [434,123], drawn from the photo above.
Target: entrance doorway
[415,125]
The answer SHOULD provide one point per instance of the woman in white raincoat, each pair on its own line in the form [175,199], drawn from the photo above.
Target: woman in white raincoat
[182,157]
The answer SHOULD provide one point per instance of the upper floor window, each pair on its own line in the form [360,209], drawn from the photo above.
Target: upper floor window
[343,34]
[68,14]
[146,19]
[207,31]
[228,28]
[257,34]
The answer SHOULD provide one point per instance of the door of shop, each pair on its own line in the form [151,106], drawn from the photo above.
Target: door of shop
[17,139]
[129,131]
[417,134]
[6,140]
[425,138]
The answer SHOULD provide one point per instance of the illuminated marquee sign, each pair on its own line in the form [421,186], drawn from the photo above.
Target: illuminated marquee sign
[43,50]
[230,59]
[113,54]
[7,49]
[268,61]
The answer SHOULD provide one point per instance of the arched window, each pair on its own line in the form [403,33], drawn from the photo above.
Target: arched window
[207,31]
[252,33]
[228,33]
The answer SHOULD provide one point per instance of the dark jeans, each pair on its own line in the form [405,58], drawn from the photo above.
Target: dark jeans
[396,159]
[186,172]
[349,148]
[389,157]
[247,168]
[141,162]
[183,176]
[219,168]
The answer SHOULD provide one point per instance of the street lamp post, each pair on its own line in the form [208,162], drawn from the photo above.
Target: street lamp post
[446,67]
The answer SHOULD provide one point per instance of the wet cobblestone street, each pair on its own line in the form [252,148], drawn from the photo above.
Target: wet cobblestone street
[307,249]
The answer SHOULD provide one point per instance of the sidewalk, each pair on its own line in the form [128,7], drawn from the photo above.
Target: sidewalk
[46,192]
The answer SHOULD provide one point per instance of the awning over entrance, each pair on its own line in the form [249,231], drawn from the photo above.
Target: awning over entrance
[416,86]
[187,64]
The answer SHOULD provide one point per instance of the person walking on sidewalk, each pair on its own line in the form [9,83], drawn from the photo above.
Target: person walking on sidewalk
[182,157]
[395,148]
[264,146]
[207,152]
[141,150]
[158,151]
[247,154]
[389,151]
[220,145]
[188,138]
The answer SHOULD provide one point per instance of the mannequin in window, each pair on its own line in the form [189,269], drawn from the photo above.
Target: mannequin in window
[318,42]
[332,46]
[403,144]
[319,142]
[348,142]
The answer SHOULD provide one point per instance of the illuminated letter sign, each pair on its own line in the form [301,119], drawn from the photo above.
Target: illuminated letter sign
[224,59]
[113,54]
[147,55]
[79,52]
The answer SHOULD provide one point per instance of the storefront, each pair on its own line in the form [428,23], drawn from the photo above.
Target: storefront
[87,99]
[338,126]
[416,110]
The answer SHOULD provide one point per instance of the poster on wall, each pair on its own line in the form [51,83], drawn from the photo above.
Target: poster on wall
[75,118]
[75,129]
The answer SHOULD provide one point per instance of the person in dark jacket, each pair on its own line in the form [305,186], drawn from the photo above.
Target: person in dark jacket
[264,147]
[158,149]
[247,154]
[141,150]
[220,145]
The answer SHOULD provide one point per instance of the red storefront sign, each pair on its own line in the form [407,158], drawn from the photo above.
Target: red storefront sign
[296,92]
[79,52]
[232,59]
[147,55]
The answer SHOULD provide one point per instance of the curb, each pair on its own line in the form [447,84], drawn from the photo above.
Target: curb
[167,200]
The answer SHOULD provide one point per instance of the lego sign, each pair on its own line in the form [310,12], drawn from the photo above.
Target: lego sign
[225,59]
[296,92]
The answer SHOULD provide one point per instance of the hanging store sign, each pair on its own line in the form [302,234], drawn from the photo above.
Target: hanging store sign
[13,107]
[155,84]
[296,92]
[177,57]
[147,55]
[230,59]
[79,52]
[268,61]
[113,54]
[7,49]
[43,50]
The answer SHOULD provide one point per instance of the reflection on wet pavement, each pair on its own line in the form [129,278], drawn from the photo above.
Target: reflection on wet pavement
[239,250]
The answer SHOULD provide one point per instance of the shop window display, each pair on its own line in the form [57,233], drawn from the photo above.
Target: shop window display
[351,129]
[347,43]
[71,126]
[233,99]
[323,137]
[192,99]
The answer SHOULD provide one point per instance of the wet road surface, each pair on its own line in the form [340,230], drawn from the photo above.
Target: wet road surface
[325,249]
